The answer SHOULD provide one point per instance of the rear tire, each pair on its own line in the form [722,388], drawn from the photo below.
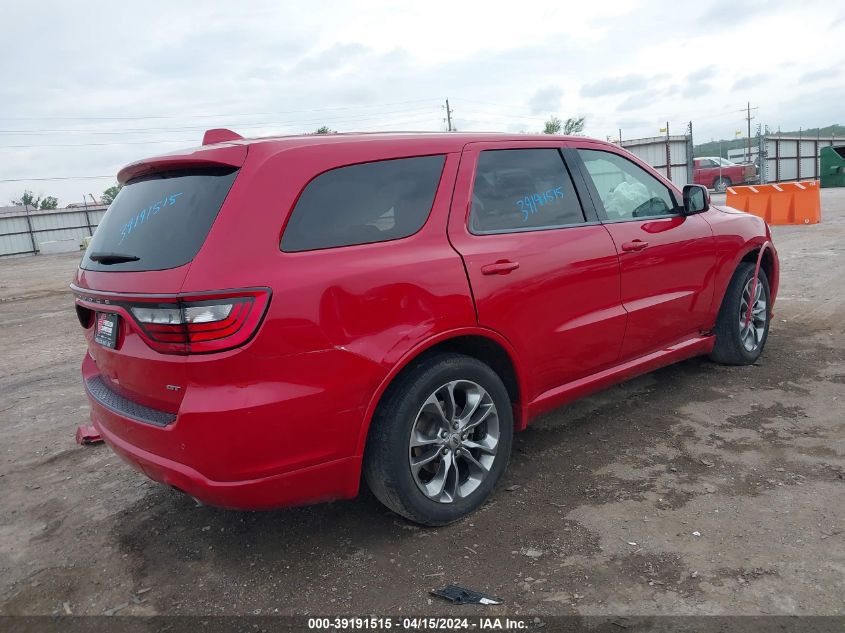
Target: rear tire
[738,343]
[415,424]
[721,184]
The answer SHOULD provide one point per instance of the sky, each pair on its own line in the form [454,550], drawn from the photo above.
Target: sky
[88,87]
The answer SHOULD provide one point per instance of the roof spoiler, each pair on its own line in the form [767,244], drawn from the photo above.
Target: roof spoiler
[219,135]
[221,156]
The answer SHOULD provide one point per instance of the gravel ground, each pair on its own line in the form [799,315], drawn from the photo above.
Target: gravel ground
[696,489]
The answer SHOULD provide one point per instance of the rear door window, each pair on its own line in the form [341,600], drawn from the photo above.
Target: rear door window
[158,222]
[363,204]
[522,189]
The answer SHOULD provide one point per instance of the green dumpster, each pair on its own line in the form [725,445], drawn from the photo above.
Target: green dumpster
[832,166]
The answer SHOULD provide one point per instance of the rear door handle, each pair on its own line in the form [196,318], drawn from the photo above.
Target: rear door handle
[501,267]
[636,245]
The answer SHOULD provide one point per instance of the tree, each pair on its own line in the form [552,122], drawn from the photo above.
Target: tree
[569,127]
[110,194]
[30,200]
[48,203]
[553,126]
[27,199]
[324,129]
[572,127]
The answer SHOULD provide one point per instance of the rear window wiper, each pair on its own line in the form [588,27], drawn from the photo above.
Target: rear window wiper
[112,258]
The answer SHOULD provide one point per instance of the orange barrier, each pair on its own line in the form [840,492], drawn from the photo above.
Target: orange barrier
[780,202]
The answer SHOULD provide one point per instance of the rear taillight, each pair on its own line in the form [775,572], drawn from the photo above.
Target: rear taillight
[85,316]
[201,324]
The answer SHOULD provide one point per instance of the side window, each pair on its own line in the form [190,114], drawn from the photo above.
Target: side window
[518,189]
[362,204]
[627,191]
[707,163]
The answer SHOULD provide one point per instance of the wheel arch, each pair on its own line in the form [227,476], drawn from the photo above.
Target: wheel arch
[485,345]
[762,254]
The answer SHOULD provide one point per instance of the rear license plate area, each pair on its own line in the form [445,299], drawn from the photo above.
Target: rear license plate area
[105,329]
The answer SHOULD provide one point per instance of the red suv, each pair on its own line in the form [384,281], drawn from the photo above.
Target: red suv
[270,319]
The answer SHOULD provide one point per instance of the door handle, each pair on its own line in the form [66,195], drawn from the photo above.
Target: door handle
[501,267]
[636,245]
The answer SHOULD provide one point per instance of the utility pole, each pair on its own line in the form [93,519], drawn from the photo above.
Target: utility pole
[620,137]
[448,116]
[748,118]
[690,155]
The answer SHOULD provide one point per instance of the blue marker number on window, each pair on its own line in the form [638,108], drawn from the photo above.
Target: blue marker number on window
[528,205]
[145,214]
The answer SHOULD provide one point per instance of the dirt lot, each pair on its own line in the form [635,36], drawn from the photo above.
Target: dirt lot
[697,489]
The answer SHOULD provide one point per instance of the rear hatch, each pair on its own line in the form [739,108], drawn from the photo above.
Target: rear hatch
[138,325]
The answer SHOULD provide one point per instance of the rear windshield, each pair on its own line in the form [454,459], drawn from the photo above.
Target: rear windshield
[158,222]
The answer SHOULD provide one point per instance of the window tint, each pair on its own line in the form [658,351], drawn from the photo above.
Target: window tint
[626,190]
[362,204]
[517,189]
[158,221]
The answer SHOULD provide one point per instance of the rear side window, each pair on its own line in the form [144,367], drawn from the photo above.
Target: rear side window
[522,189]
[158,222]
[363,204]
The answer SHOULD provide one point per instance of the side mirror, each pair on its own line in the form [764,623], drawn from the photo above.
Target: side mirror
[696,199]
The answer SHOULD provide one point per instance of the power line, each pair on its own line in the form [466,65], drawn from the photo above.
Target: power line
[292,122]
[193,141]
[57,178]
[115,143]
[189,141]
[210,116]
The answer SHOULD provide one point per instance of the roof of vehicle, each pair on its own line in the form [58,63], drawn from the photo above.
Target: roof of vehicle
[422,142]
[451,141]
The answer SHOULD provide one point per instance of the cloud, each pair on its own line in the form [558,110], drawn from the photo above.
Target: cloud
[545,100]
[697,89]
[331,58]
[638,100]
[831,72]
[750,81]
[701,74]
[614,85]
[279,68]
[728,13]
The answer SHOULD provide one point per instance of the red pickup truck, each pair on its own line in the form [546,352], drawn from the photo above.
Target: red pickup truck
[719,173]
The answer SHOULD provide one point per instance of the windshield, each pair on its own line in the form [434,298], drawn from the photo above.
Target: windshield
[724,162]
[158,222]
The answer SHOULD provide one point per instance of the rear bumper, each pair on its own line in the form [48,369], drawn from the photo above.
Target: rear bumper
[256,446]
[323,482]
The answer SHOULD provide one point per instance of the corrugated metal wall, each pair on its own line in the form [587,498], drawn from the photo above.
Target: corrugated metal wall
[655,151]
[22,232]
[794,158]
[789,157]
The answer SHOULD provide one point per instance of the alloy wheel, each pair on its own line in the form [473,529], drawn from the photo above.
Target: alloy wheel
[751,330]
[454,441]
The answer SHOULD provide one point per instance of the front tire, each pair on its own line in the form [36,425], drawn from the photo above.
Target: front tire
[721,184]
[739,340]
[440,439]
